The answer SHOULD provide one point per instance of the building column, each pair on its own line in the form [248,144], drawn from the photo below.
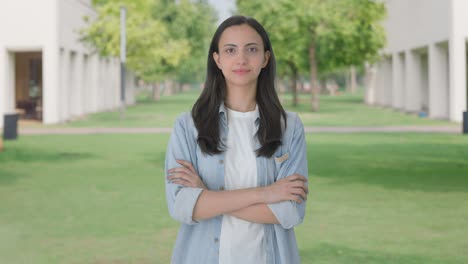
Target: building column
[7,83]
[86,94]
[412,85]
[388,82]
[64,107]
[94,82]
[398,80]
[51,55]
[457,61]
[438,81]
[457,94]
[3,82]
[78,84]
[380,83]
[370,83]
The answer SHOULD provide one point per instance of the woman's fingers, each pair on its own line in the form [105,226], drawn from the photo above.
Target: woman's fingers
[300,184]
[180,170]
[295,198]
[300,192]
[296,177]
[182,182]
[186,173]
[182,176]
[187,165]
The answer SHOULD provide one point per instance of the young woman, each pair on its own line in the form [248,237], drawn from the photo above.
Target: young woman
[236,166]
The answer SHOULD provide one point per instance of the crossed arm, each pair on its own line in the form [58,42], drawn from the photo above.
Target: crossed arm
[248,204]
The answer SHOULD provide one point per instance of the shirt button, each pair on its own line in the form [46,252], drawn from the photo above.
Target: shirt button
[221,161]
[216,240]
[221,188]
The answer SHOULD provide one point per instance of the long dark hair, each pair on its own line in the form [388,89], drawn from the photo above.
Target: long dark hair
[205,111]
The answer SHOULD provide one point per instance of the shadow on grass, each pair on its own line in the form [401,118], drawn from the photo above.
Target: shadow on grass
[26,155]
[8,176]
[327,253]
[15,156]
[410,166]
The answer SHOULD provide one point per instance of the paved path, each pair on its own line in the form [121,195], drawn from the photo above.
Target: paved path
[116,130]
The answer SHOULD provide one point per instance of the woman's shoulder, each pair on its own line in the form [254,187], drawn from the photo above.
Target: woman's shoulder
[185,122]
[292,119]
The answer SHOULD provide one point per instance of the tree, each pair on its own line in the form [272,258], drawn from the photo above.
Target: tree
[334,33]
[278,19]
[149,46]
[194,22]
[161,36]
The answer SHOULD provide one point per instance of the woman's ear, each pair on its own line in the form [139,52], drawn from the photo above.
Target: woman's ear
[266,58]
[216,59]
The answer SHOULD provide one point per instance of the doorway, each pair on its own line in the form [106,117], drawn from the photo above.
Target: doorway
[28,85]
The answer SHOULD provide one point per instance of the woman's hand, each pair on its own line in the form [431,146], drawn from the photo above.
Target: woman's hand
[186,175]
[291,188]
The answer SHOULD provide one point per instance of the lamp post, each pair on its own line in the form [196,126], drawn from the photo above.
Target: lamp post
[123,13]
[465,122]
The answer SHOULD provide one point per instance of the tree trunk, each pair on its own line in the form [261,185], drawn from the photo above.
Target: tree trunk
[313,77]
[156,92]
[168,87]
[294,82]
[353,80]
[348,81]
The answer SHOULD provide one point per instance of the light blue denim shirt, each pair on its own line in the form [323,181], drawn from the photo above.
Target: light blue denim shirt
[198,242]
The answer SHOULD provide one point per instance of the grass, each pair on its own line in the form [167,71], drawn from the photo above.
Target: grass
[344,110]
[374,198]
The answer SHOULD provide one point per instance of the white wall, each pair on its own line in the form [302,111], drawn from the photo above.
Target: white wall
[15,30]
[75,81]
[415,23]
[432,73]
[71,16]
[18,34]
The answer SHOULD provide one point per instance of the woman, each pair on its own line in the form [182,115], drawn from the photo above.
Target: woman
[236,166]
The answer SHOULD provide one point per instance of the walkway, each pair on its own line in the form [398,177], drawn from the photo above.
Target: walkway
[117,130]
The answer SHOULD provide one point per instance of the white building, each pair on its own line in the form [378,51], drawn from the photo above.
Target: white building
[424,64]
[46,73]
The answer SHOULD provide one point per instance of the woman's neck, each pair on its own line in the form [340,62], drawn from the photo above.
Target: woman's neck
[241,100]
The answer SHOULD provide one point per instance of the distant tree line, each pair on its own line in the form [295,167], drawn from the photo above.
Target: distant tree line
[320,37]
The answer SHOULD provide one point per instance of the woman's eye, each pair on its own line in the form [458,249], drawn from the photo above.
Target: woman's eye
[252,49]
[230,51]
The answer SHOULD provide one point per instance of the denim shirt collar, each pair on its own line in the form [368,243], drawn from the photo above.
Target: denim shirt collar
[223,117]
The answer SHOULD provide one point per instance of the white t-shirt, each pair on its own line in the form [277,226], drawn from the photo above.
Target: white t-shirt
[241,241]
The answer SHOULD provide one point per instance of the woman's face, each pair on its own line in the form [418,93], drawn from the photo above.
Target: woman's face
[241,56]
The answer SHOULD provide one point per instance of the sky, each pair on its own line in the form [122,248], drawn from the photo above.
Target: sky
[223,7]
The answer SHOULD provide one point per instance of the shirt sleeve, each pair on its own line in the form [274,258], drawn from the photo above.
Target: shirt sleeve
[290,213]
[182,146]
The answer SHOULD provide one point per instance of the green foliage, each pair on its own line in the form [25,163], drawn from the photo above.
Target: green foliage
[345,32]
[193,22]
[163,37]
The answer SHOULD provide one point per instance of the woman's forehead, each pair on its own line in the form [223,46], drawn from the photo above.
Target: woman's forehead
[240,35]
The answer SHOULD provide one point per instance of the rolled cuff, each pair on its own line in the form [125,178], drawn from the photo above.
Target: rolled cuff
[287,213]
[184,204]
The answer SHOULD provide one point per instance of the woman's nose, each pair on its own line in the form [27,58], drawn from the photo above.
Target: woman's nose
[242,58]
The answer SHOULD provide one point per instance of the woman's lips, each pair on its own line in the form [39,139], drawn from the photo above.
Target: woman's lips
[241,71]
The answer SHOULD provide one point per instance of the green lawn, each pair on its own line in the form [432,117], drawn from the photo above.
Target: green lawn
[374,198]
[345,110]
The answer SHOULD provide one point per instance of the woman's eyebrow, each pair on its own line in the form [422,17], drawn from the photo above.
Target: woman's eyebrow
[248,44]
